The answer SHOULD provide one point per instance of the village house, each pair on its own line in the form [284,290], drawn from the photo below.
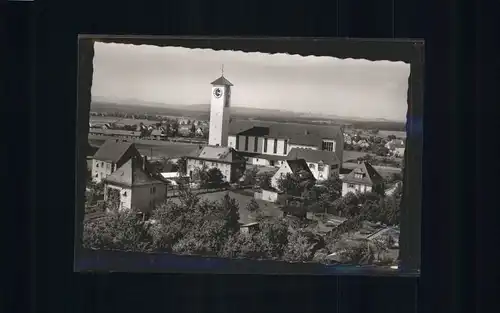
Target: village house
[110,156]
[227,160]
[268,144]
[323,164]
[297,166]
[364,178]
[115,133]
[139,190]
[396,147]
[184,130]
[157,134]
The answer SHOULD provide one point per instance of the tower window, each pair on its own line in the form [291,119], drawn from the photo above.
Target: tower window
[255,143]
[237,142]
[246,143]
[275,148]
[265,145]
[285,147]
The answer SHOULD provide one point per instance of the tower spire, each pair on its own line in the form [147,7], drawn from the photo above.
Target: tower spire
[222,70]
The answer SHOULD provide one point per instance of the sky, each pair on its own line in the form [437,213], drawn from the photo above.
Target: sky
[181,76]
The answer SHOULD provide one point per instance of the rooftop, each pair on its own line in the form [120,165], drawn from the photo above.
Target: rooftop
[221,81]
[216,153]
[369,177]
[315,156]
[301,134]
[113,150]
[131,174]
[298,165]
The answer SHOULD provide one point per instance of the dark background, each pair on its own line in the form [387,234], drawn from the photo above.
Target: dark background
[42,58]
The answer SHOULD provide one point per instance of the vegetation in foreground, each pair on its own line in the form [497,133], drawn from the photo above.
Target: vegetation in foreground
[211,228]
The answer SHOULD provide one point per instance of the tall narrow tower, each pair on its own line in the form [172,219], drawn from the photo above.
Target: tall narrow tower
[220,111]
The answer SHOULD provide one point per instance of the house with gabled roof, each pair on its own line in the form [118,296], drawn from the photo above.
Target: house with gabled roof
[139,189]
[110,156]
[227,160]
[363,178]
[298,167]
[396,147]
[322,164]
[268,143]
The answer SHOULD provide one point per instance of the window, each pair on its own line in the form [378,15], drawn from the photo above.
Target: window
[97,175]
[358,175]
[97,165]
[255,143]
[350,185]
[321,167]
[154,189]
[285,147]
[124,193]
[108,166]
[102,164]
[256,160]
[275,150]
[328,145]
[265,145]
[312,166]
[246,143]
[237,142]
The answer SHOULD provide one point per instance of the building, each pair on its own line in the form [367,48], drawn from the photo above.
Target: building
[323,164]
[268,143]
[227,160]
[139,190]
[364,178]
[297,167]
[396,147]
[158,134]
[127,134]
[111,156]
[220,106]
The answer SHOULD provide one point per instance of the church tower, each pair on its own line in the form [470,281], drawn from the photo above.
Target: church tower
[220,111]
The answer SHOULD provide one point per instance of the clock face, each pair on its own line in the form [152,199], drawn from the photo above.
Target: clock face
[217,92]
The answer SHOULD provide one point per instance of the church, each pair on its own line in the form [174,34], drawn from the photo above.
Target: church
[268,143]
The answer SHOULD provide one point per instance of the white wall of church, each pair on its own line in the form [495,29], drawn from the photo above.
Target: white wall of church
[291,146]
[219,118]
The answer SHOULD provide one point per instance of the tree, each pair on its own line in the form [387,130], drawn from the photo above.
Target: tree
[391,137]
[117,231]
[265,181]
[214,178]
[296,184]
[298,248]
[182,166]
[192,130]
[252,206]
[231,217]
[358,254]
[112,202]
[250,176]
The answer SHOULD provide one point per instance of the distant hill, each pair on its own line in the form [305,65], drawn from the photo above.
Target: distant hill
[201,111]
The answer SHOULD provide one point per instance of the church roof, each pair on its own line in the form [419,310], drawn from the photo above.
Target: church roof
[300,134]
[222,81]
[370,176]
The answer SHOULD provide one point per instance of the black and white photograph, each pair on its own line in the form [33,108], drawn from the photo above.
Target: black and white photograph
[240,155]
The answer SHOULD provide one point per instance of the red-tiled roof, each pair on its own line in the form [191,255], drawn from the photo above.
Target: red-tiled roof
[370,176]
